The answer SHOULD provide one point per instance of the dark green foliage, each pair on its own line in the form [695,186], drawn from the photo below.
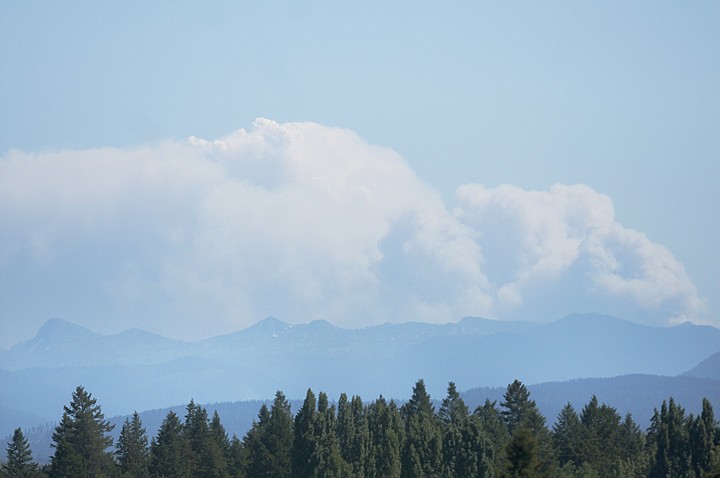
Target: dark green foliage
[490,421]
[169,451]
[521,412]
[453,409]
[81,440]
[386,437]
[517,406]
[354,434]
[670,440]
[207,449]
[704,437]
[378,440]
[422,449]
[304,442]
[601,437]
[269,442]
[132,451]
[19,462]
[568,437]
[522,455]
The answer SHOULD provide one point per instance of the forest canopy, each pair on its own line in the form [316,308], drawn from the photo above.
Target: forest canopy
[353,438]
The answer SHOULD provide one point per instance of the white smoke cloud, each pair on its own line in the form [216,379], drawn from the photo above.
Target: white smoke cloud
[303,221]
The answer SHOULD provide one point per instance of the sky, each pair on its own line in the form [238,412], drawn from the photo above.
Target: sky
[190,168]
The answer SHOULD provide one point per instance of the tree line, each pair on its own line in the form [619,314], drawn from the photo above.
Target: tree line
[381,439]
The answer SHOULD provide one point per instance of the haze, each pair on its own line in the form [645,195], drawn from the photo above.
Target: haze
[190,169]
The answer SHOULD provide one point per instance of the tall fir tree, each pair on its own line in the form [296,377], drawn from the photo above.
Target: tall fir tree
[304,442]
[492,424]
[132,452]
[386,437]
[269,442]
[520,412]
[82,439]
[353,434]
[169,450]
[704,436]
[602,431]
[669,438]
[568,437]
[522,454]
[19,462]
[422,450]
[453,410]
[517,406]
[327,461]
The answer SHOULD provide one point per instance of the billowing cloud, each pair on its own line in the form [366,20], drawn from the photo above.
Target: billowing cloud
[306,222]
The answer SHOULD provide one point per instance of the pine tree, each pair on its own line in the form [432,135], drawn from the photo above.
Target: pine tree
[601,437]
[422,450]
[218,449]
[517,406]
[304,442]
[169,451]
[269,442]
[522,453]
[453,409]
[703,438]
[132,451]
[81,440]
[386,436]
[206,459]
[669,436]
[492,425]
[327,461]
[19,462]
[353,433]
[567,437]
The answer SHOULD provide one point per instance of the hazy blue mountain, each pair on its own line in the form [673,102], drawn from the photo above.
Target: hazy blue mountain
[59,343]
[708,368]
[137,370]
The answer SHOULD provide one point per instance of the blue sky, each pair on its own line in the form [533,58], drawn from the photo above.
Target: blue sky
[457,98]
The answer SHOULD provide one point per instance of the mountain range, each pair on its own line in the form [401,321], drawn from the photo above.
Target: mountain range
[137,370]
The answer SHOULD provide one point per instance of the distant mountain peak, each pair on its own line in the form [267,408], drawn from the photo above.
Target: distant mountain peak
[269,325]
[56,327]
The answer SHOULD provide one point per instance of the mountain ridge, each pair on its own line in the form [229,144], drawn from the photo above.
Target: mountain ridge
[382,359]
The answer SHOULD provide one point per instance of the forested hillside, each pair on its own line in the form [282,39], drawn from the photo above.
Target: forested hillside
[382,439]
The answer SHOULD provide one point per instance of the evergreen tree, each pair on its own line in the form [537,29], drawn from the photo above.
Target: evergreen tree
[218,449]
[169,451]
[517,406]
[353,434]
[238,461]
[269,442]
[81,440]
[19,462]
[521,412]
[703,438]
[453,409]
[522,454]
[633,461]
[386,437]
[206,458]
[601,437]
[491,423]
[304,442]
[422,450]
[467,450]
[327,460]
[132,451]
[670,439]
[567,437]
